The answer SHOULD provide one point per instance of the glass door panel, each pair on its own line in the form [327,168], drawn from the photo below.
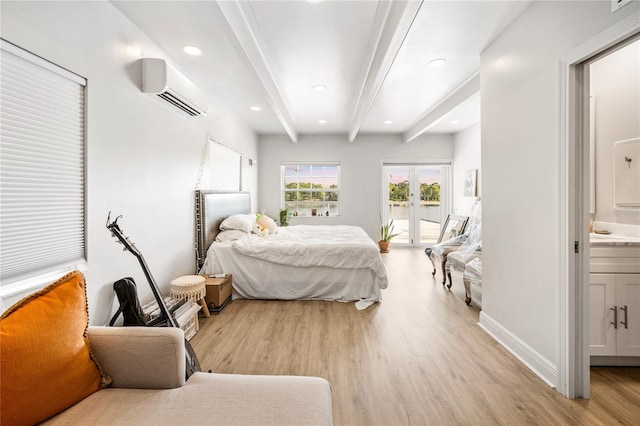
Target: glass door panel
[430,211]
[416,201]
[398,179]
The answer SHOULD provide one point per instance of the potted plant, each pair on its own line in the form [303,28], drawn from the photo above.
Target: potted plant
[284,217]
[386,234]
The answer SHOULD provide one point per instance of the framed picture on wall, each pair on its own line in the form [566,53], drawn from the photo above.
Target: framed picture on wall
[470,186]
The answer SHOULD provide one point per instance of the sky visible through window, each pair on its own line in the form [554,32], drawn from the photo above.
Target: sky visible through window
[401,174]
[325,175]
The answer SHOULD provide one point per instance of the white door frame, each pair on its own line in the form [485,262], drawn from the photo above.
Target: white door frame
[573,268]
[447,182]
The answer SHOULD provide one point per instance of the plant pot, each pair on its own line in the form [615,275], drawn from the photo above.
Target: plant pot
[384,246]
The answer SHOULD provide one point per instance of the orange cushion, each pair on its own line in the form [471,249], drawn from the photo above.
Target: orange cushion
[47,365]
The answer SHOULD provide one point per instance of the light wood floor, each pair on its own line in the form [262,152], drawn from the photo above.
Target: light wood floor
[417,358]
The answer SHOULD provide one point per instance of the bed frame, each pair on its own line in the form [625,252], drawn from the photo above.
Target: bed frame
[212,207]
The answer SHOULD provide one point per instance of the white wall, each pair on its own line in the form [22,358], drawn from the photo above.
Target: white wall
[466,156]
[143,155]
[520,171]
[615,86]
[361,179]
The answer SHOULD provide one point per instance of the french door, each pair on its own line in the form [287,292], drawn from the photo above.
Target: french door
[416,198]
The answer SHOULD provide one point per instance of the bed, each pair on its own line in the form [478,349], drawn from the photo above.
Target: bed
[302,262]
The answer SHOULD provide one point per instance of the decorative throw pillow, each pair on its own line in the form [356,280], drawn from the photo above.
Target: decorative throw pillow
[47,364]
[241,222]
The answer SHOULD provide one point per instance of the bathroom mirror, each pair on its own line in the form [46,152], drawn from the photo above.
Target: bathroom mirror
[626,157]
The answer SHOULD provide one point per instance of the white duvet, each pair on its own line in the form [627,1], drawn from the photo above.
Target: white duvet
[303,262]
[338,246]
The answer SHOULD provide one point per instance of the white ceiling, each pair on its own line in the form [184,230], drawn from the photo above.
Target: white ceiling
[372,55]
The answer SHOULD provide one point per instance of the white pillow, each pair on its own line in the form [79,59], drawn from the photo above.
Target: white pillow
[240,222]
[230,235]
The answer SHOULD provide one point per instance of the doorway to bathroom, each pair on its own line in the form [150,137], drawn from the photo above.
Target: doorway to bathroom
[580,158]
[613,81]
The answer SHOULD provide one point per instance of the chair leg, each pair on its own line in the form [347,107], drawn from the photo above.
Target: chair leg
[444,274]
[450,280]
[467,291]
[434,266]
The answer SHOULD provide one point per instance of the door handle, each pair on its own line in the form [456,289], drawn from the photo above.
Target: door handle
[626,320]
[615,317]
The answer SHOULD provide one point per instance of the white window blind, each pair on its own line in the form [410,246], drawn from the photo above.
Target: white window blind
[42,167]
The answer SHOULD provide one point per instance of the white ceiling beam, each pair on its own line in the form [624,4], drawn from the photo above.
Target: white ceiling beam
[460,95]
[246,31]
[392,23]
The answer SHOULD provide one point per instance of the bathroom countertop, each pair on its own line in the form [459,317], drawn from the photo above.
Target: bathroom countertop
[602,240]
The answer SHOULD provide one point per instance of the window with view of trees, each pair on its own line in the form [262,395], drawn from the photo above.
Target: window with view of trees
[311,189]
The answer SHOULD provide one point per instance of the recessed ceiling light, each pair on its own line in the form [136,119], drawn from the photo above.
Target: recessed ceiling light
[455,122]
[436,63]
[388,122]
[255,108]
[322,121]
[319,87]
[192,50]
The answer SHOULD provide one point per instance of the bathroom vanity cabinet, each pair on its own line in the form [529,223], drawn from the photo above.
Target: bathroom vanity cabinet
[614,291]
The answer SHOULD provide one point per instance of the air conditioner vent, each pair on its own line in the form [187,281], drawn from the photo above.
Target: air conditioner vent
[178,103]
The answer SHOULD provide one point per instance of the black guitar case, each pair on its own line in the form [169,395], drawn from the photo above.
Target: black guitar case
[132,310]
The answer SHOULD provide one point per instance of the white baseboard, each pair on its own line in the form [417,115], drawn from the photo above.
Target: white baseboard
[541,366]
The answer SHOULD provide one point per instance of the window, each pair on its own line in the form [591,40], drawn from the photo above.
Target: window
[42,169]
[311,189]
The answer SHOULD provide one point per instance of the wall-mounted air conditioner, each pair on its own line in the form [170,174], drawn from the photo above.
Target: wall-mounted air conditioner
[160,78]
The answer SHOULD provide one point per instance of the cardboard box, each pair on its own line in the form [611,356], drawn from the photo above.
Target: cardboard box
[218,292]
